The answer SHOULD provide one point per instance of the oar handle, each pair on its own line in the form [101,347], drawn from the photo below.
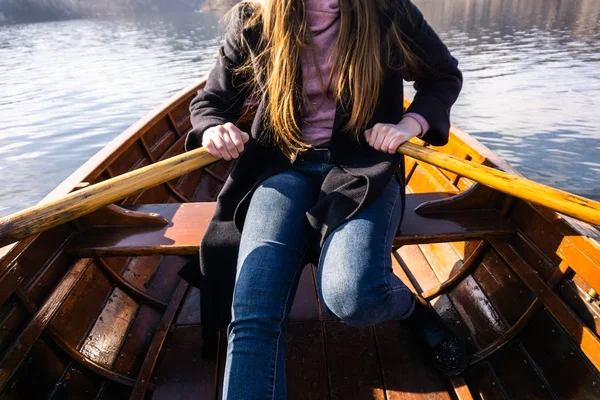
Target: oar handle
[583,209]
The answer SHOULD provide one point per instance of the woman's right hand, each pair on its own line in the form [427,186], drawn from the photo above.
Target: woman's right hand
[224,141]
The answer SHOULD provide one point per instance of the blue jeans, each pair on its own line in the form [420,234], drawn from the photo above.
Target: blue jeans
[354,277]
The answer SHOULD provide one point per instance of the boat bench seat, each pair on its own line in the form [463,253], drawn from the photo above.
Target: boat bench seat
[188,223]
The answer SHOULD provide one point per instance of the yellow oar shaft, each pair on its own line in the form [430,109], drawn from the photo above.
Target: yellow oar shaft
[45,216]
[566,203]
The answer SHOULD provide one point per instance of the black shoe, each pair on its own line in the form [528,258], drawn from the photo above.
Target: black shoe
[446,349]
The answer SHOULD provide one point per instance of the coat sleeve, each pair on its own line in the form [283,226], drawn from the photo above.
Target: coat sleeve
[438,80]
[222,98]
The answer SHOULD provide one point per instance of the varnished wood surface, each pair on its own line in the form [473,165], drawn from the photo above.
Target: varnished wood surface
[188,222]
[182,235]
[143,380]
[588,341]
[17,353]
[448,226]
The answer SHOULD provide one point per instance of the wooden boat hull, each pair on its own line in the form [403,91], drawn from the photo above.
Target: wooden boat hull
[95,309]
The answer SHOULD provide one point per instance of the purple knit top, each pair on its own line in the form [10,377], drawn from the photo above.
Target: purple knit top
[323,18]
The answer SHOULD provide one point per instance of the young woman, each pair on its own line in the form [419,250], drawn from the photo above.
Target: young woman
[317,179]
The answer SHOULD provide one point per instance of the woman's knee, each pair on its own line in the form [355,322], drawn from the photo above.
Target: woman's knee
[354,302]
[363,300]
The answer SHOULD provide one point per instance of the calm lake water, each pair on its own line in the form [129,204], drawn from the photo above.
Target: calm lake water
[531,89]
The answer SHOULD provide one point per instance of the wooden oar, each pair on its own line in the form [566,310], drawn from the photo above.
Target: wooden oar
[578,207]
[44,216]
[48,215]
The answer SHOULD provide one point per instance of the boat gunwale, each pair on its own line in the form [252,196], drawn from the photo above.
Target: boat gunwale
[92,168]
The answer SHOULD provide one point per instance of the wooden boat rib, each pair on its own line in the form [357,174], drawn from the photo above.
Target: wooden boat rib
[94,308]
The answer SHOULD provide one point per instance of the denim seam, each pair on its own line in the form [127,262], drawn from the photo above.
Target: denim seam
[282,313]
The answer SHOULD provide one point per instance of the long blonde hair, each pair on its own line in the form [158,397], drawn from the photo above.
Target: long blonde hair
[361,56]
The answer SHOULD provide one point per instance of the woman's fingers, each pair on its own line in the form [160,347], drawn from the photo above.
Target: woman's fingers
[210,146]
[381,131]
[371,134]
[220,144]
[394,143]
[229,145]
[225,141]
[368,135]
[385,145]
[386,137]
[235,135]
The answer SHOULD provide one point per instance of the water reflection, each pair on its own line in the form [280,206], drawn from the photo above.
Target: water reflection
[530,92]
[531,83]
[67,88]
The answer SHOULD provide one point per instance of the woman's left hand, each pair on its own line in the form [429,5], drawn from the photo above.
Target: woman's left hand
[387,137]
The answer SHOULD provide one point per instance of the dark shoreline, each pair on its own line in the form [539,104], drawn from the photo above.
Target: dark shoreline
[31,11]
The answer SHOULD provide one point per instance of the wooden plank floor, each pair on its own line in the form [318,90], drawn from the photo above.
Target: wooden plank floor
[326,359]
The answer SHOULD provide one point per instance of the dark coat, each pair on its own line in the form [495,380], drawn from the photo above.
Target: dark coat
[361,172]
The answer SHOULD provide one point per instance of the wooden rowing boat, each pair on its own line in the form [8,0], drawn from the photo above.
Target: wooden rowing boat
[94,308]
